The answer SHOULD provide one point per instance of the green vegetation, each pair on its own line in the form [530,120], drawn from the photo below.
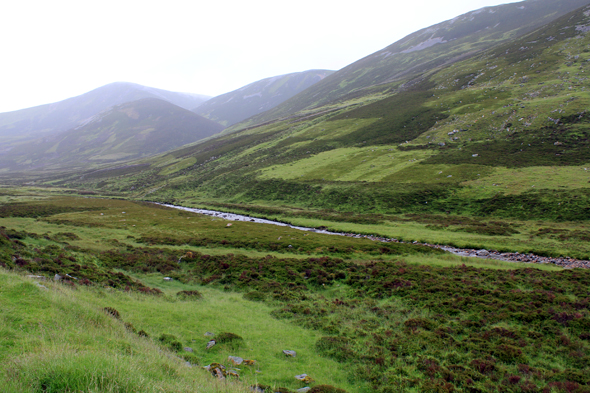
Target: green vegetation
[490,152]
[414,321]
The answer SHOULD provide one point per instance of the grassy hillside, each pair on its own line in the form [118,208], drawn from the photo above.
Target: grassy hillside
[258,97]
[427,49]
[136,129]
[360,319]
[501,137]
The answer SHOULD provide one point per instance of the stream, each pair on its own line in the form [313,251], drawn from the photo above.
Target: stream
[564,262]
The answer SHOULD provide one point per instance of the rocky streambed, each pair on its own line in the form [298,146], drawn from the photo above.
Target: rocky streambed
[565,262]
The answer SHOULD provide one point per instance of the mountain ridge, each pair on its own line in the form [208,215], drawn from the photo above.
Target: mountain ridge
[127,131]
[63,115]
[257,97]
[443,43]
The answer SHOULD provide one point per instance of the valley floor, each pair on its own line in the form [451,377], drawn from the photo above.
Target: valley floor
[362,315]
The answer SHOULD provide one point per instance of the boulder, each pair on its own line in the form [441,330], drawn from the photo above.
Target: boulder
[217,370]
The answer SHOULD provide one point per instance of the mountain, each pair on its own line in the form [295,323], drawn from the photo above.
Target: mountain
[258,97]
[428,49]
[504,133]
[63,115]
[131,130]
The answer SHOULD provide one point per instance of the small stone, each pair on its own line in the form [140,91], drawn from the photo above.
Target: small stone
[235,360]
[208,334]
[290,353]
[168,279]
[229,225]
[304,378]
[57,277]
[483,253]
[188,349]
[303,390]
[210,344]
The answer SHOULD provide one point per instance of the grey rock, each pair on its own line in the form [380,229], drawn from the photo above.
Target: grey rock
[303,390]
[289,353]
[235,360]
[168,279]
[483,253]
[211,344]
[188,349]
[57,277]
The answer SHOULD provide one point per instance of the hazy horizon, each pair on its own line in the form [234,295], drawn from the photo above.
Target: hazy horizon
[63,49]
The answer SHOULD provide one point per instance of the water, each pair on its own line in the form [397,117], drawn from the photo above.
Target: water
[239,217]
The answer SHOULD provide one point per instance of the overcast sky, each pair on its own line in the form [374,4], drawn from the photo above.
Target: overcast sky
[52,50]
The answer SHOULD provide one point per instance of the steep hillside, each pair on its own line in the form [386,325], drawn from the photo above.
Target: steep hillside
[258,97]
[427,49]
[504,134]
[63,115]
[132,130]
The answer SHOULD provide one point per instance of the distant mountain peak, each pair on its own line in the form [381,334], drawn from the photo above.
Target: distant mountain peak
[259,96]
[67,114]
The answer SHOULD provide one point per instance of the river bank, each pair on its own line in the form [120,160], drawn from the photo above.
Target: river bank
[565,262]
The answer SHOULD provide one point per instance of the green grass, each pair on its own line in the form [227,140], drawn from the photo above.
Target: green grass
[415,320]
[58,340]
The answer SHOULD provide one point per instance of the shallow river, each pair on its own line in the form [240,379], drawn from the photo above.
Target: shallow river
[464,252]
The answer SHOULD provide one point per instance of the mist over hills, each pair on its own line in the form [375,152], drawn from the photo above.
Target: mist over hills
[128,131]
[63,115]
[258,97]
